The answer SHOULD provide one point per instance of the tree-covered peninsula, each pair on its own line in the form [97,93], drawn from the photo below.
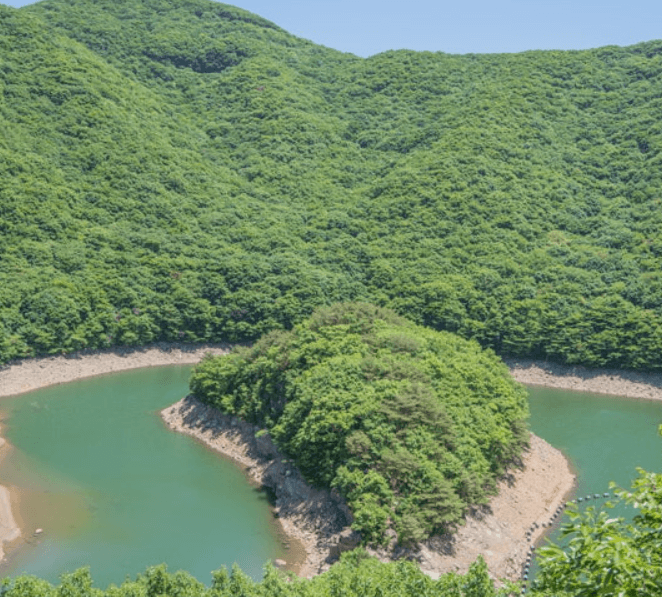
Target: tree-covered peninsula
[182,170]
[409,424]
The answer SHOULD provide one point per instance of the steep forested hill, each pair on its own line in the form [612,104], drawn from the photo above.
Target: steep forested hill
[410,425]
[187,170]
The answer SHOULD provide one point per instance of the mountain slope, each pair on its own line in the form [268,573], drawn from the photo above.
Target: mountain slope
[206,175]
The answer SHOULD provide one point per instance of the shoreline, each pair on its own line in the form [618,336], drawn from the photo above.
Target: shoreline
[313,519]
[611,382]
[26,375]
[319,520]
[493,531]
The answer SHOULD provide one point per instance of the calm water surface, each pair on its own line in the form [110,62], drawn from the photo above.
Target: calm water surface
[605,437]
[114,489]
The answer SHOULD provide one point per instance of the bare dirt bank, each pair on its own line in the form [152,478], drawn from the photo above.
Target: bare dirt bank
[9,530]
[319,519]
[30,374]
[527,495]
[615,382]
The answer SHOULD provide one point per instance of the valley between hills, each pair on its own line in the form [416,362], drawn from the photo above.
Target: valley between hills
[373,236]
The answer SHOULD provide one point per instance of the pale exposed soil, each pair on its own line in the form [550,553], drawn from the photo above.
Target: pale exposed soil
[600,381]
[527,495]
[30,374]
[317,521]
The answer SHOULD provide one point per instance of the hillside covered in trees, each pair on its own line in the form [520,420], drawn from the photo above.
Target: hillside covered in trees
[410,425]
[185,170]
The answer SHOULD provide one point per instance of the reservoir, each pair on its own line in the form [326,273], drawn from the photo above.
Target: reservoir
[114,489]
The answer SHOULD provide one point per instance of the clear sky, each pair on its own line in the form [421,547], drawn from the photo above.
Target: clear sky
[366,27]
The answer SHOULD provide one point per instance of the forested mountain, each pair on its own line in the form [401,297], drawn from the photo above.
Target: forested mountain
[185,170]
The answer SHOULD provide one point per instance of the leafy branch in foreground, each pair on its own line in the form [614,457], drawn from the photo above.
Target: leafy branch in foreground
[608,556]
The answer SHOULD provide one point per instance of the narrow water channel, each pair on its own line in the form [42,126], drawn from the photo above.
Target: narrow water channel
[114,489]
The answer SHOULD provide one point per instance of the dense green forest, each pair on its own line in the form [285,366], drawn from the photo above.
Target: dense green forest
[185,170]
[409,424]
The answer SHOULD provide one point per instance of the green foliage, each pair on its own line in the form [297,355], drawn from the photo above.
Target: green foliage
[608,556]
[356,575]
[185,170]
[409,424]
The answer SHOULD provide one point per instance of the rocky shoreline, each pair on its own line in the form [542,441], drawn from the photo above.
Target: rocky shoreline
[318,520]
[614,382]
[315,519]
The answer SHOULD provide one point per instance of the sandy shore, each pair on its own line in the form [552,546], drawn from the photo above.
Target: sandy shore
[9,529]
[319,520]
[600,381]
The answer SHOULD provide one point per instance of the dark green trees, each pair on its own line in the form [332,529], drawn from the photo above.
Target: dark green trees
[198,164]
[189,171]
[355,575]
[409,424]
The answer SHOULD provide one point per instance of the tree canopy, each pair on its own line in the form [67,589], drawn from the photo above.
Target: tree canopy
[356,575]
[409,424]
[186,170]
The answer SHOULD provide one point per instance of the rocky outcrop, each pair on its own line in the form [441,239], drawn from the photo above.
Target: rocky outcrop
[319,519]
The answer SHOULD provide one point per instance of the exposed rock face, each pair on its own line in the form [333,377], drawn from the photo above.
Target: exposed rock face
[347,540]
[320,519]
[314,518]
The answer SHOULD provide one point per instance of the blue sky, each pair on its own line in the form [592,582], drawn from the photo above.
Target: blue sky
[366,27]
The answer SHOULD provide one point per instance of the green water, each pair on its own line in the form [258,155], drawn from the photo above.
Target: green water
[605,437]
[113,488]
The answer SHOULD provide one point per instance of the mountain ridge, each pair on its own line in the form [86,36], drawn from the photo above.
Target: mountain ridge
[182,176]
